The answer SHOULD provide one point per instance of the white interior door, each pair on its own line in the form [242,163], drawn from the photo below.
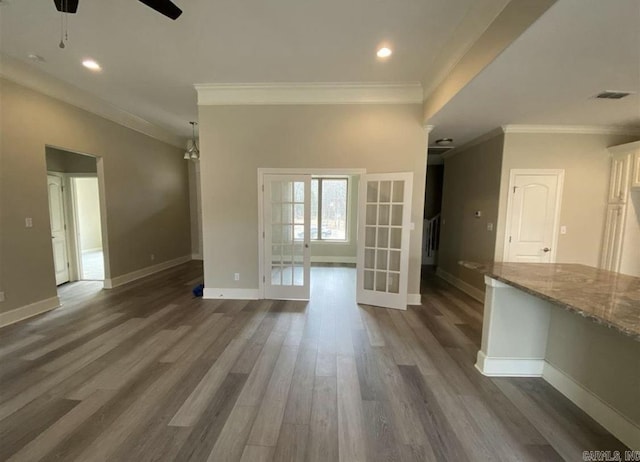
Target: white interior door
[532,216]
[383,239]
[58,231]
[287,217]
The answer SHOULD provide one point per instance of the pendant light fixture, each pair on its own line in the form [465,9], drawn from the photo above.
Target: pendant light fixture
[193,152]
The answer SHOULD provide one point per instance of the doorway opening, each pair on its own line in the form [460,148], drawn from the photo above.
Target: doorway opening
[76,212]
[301,208]
[86,210]
[309,218]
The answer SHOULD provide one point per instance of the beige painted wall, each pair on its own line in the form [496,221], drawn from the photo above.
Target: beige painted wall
[195,208]
[587,166]
[146,188]
[88,210]
[69,162]
[471,182]
[237,140]
[326,250]
[602,360]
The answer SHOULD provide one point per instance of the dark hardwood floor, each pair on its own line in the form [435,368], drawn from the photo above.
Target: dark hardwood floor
[146,372]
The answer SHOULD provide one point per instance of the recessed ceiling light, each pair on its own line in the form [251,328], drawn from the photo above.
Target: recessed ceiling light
[36,58]
[91,64]
[444,141]
[384,52]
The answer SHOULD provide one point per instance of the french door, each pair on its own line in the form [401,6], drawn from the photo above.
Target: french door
[383,239]
[287,217]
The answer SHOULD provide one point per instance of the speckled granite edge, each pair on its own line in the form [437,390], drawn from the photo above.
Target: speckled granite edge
[487,271]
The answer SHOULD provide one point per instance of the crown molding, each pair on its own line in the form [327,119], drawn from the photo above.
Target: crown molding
[213,94]
[23,74]
[572,129]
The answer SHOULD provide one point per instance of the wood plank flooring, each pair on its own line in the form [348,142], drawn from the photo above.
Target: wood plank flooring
[146,372]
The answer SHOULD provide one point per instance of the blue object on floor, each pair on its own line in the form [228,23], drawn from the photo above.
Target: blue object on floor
[198,290]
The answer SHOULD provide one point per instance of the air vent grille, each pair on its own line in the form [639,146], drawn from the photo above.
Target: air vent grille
[613,94]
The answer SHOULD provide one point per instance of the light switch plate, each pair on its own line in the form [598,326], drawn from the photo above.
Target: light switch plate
[28,222]
[1,296]
[489,226]
[563,230]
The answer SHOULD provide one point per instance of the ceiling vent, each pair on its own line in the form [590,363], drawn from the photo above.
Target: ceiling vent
[608,94]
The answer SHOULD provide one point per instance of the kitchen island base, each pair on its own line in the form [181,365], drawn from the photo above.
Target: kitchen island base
[592,364]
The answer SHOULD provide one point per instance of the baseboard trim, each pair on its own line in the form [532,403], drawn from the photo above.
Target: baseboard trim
[414,299]
[509,367]
[144,272]
[196,256]
[610,418]
[467,288]
[617,424]
[28,311]
[331,259]
[231,294]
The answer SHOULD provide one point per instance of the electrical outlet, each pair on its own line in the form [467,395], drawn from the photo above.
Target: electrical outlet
[152,257]
[28,222]
[563,230]
[1,296]
[236,276]
[489,226]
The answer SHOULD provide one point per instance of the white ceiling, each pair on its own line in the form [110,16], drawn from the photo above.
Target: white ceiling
[551,72]
[547,76]
[150,63]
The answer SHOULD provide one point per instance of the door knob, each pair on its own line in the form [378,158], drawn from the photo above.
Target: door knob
[306,246]
[546,249]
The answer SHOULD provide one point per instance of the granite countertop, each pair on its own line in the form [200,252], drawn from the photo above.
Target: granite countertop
[608,298]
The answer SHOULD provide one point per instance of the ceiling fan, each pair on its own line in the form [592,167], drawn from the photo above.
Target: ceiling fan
[165,7]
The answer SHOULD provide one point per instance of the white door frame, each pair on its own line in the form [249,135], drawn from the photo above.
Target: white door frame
[288,171]
[556,219]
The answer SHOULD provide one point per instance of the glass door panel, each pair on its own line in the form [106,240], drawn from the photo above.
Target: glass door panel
[286,225]
[383,241]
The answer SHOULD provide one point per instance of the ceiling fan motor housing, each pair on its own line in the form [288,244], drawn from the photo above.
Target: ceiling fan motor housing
[66,6]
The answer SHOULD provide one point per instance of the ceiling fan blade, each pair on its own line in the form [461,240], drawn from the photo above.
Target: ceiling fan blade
[66,6]
[165,7]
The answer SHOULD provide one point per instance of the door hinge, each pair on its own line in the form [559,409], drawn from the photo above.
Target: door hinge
[264,279]
[262,234]
[262,188]
[509,239]
[514,189]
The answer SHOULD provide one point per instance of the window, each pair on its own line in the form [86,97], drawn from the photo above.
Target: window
[329,209]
